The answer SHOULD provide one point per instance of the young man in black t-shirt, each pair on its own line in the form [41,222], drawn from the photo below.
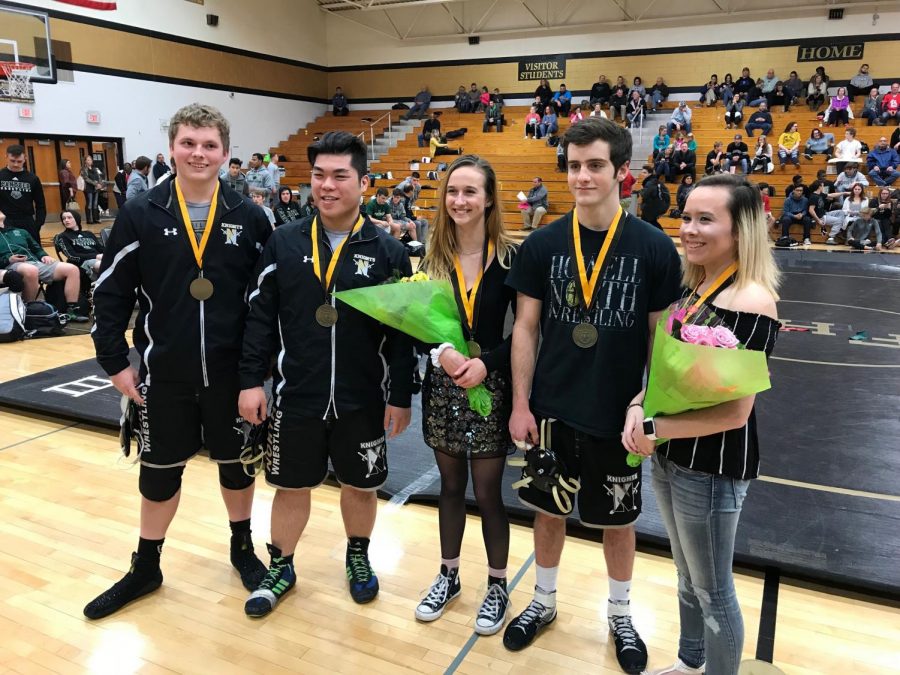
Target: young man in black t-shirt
[588,367]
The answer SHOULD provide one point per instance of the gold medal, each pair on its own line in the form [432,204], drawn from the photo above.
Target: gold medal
[201,289]
[467,300]
[585,335]
[326,316]
[474,349]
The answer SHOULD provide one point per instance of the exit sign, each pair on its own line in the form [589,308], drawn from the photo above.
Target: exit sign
[26,112]
[93,117]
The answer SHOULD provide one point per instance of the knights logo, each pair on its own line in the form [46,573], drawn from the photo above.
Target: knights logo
[372,454]
[363,264]
[623,496]
[232,232]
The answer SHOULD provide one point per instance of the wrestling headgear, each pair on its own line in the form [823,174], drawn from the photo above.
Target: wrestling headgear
[544,470]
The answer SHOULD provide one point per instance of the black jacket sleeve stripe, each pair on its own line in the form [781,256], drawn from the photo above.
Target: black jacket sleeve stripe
[261,333]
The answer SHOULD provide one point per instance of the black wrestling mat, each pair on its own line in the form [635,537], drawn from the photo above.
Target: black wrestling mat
[829,430]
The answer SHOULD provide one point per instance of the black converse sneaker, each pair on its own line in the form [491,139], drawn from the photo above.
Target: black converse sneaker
[525,627]
[140,580]
[245,561]
[494,610]
[444,589]
[631,651]
[279,579]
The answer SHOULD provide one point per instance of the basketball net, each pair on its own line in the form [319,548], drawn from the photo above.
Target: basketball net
[18,80]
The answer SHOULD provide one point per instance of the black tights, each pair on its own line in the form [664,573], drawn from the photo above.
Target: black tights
[487,475]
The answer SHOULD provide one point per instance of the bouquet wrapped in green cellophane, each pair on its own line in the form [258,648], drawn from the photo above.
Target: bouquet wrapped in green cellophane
[427,311]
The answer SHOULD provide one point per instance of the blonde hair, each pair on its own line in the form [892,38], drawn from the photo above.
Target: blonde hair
[199,115]
[441,249]
[753,251]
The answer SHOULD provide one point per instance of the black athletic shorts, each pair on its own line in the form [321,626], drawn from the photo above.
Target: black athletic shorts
[177,420]
[610,494]
[299,447]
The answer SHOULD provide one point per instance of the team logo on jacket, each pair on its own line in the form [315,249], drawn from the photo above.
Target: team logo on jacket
[372,454]
[363,263]
[232,232]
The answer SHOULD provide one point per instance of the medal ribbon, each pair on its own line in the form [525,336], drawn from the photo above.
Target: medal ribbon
[336,256]
[467,298]
[716,285]
[587,285]
[189,229]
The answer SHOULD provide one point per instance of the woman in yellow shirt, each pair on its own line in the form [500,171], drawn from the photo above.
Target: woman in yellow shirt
[438,148]
[789,145]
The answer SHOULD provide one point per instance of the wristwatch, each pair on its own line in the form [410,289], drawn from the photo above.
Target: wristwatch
[650,428]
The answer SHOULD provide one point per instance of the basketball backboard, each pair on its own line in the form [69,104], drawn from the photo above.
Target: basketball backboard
[25,36]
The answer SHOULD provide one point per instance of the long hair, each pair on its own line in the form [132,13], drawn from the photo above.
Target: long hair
[748,225]
[441,246]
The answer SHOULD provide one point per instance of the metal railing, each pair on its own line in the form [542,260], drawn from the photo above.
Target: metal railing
[372,132]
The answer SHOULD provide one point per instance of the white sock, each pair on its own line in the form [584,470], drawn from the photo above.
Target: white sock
[451,563]
[545,578]
[497,572]
[619,591]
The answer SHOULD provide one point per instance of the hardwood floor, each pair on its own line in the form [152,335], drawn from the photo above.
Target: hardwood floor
[68,516]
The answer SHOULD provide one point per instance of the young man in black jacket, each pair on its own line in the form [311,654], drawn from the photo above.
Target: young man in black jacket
[341,378]
[185,251]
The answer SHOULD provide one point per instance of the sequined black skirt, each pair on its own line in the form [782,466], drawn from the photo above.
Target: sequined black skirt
[451,427]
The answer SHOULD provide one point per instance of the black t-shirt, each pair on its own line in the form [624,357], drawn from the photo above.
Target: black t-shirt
[589,389]
[819,202]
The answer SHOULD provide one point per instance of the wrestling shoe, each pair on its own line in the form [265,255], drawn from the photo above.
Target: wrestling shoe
[246,562]
[631,652]
[140,580]
[279,579]
[539,614]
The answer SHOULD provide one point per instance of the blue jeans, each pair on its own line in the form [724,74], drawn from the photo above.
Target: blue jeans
[883,178]
[670,128]
[701,513]
[750,126]
[793,156]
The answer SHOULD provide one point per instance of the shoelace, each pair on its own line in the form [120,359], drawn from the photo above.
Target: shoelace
[624,630]
[437,595]
[359,567]
[493,603]
[532,613]
[272,576]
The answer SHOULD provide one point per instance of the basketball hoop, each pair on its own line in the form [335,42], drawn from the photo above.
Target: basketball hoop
[18,80]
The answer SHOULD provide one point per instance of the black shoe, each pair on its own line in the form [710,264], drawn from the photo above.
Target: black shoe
[140,580]
[444,589]
[279,579]
[362,580]
[807,155]
[494,610]
[631,652]
[525,627]
[75,315]
[245,561]
[14,281]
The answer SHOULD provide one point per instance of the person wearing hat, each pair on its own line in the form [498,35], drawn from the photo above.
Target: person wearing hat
[681,119]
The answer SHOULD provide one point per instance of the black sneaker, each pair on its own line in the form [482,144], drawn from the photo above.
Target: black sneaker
[539,614]
[140,580]
[807,155]
[362,580]
[631,652]
[444,589]
[279,579]
[494,610]
[246,562]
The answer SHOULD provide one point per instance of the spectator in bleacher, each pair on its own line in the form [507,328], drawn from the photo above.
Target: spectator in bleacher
[762,156]
[861,83]
[234,178]
[726,91]
[871,111]
[561,158]
[848,150]
[378,209]
[659,92]
[795,181]
[795,87]
[498,97]
[138,181]
[769,82]
[661,141]
[484,100]
[838,109]
[820,71]
[684,160]
[20,253]
[716,159]
[681,118]
[413,181]
[601,91]
[618,101]
[259,195]
[562,101]
[734,111]
[662,167]
[845,181]
[598,111]
[339,106]
[691,142]
[549,123]
[80,247]
[259,178]
[816,92]
[760,119]
[286,208]
[461,100]
[437,148]
[744,83]
[532,123]
[474,98]
[854,202]
[819,144]
[818,204]
[536,205]
[882,162]
[431,124]
[767,205]
[863,230]
[653,205]
[884,212]
[309,207]
[409,204]
[709,92]
[890,105]
[779,99]
[638,86]
[755,94]
[687,184]
[635,110]
[402,224]
[796,210]
[627,198]
[420,104]
[492,117]
[545,93]
[789,145]
[576,115]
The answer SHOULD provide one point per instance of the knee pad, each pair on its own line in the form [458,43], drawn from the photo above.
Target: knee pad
[160,485]
[233,477]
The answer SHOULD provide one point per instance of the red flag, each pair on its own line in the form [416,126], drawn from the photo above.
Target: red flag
[91,4]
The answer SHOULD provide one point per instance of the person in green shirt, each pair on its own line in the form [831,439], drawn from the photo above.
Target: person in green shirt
[378,209]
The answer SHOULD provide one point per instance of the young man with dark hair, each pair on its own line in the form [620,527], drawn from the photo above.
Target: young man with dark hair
[432,123]
[258,176]
[185,253]
[137,182]
[378,210]
[796,210]
[21,194]
[339,107]
[342,379]
[592,285]
[234,177]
